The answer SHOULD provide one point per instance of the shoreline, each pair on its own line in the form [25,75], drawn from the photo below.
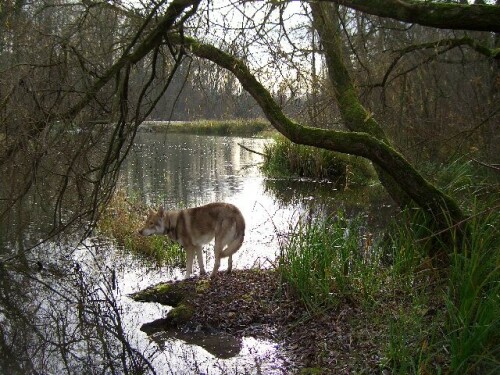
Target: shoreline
[237,127]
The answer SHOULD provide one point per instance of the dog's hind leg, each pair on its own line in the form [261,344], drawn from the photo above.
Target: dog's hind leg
[229,264]
[218,253]
[199,256]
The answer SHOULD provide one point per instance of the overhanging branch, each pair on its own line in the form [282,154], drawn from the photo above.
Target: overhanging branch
[355,143]
[428,13]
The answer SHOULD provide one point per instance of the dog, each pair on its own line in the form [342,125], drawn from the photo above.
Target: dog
[194,227]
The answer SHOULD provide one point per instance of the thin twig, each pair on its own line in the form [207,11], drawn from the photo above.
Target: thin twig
[459,223]
[250,150]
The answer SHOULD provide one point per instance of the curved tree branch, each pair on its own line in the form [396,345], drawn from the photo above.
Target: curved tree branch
[427,13]
[355,143]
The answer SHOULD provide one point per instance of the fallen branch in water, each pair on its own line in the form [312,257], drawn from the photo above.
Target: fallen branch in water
[250,150]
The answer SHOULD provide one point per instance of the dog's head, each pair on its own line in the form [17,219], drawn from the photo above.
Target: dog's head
[155,223]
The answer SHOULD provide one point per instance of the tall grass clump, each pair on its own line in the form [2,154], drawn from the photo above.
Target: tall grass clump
[325,262]
[469,183]
[473,299]
[449,319]
[122,219]
[284,158]
[463,336]
[439,317]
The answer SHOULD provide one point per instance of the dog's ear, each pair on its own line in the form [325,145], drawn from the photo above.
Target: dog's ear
[151,212]
[161,211]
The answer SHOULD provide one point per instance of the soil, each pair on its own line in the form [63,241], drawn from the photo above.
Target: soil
[253,303]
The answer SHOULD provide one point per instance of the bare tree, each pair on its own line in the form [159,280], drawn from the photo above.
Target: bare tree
[67,66]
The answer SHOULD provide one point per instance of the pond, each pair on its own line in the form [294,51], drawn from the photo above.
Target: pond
[87,317]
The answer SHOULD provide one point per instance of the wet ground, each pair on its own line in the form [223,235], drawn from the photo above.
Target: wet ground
[253,303]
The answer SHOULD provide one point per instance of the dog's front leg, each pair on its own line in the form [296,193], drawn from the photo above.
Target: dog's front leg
[199,256]
[189,261]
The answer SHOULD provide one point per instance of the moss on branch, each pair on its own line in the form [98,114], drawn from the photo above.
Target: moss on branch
[479,17]
[355,143]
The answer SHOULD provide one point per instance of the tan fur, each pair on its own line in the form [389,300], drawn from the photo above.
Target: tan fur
[194,227]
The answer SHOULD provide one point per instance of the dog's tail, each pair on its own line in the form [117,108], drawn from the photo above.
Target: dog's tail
[235,244]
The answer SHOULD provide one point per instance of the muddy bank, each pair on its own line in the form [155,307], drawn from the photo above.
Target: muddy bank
[253,303]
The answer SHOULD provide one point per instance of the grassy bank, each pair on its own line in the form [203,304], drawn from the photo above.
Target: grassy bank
[286,159]
[435,320]
[236,127]
[121,221]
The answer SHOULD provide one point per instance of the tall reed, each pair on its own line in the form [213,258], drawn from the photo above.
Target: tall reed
[463,336]
[328,261]
[473,299]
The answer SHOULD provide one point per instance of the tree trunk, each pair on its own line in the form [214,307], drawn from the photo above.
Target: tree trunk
[354,115]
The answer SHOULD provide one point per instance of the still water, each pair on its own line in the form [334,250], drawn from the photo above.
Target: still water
[178,171]
[74,314]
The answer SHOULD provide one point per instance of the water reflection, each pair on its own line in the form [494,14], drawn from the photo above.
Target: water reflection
[186,170]
[220,345]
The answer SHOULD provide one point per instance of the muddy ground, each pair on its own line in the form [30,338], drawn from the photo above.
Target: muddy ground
[254,303]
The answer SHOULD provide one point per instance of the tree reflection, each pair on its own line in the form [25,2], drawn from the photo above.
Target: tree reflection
[64,316]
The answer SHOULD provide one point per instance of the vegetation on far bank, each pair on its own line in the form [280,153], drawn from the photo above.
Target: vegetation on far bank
[122,219]
[285,158]
[235,127]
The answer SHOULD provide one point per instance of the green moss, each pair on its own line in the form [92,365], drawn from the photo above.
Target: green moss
[180,314]
[312,371]
[202,286]
[170,294]
[162,288]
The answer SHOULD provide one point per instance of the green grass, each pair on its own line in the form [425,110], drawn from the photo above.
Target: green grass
[122,219]
[284,159]
[236,127]
[473,300]
[437,320]
[328,261]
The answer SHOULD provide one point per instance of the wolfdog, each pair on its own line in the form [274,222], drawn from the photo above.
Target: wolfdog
[194,227]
